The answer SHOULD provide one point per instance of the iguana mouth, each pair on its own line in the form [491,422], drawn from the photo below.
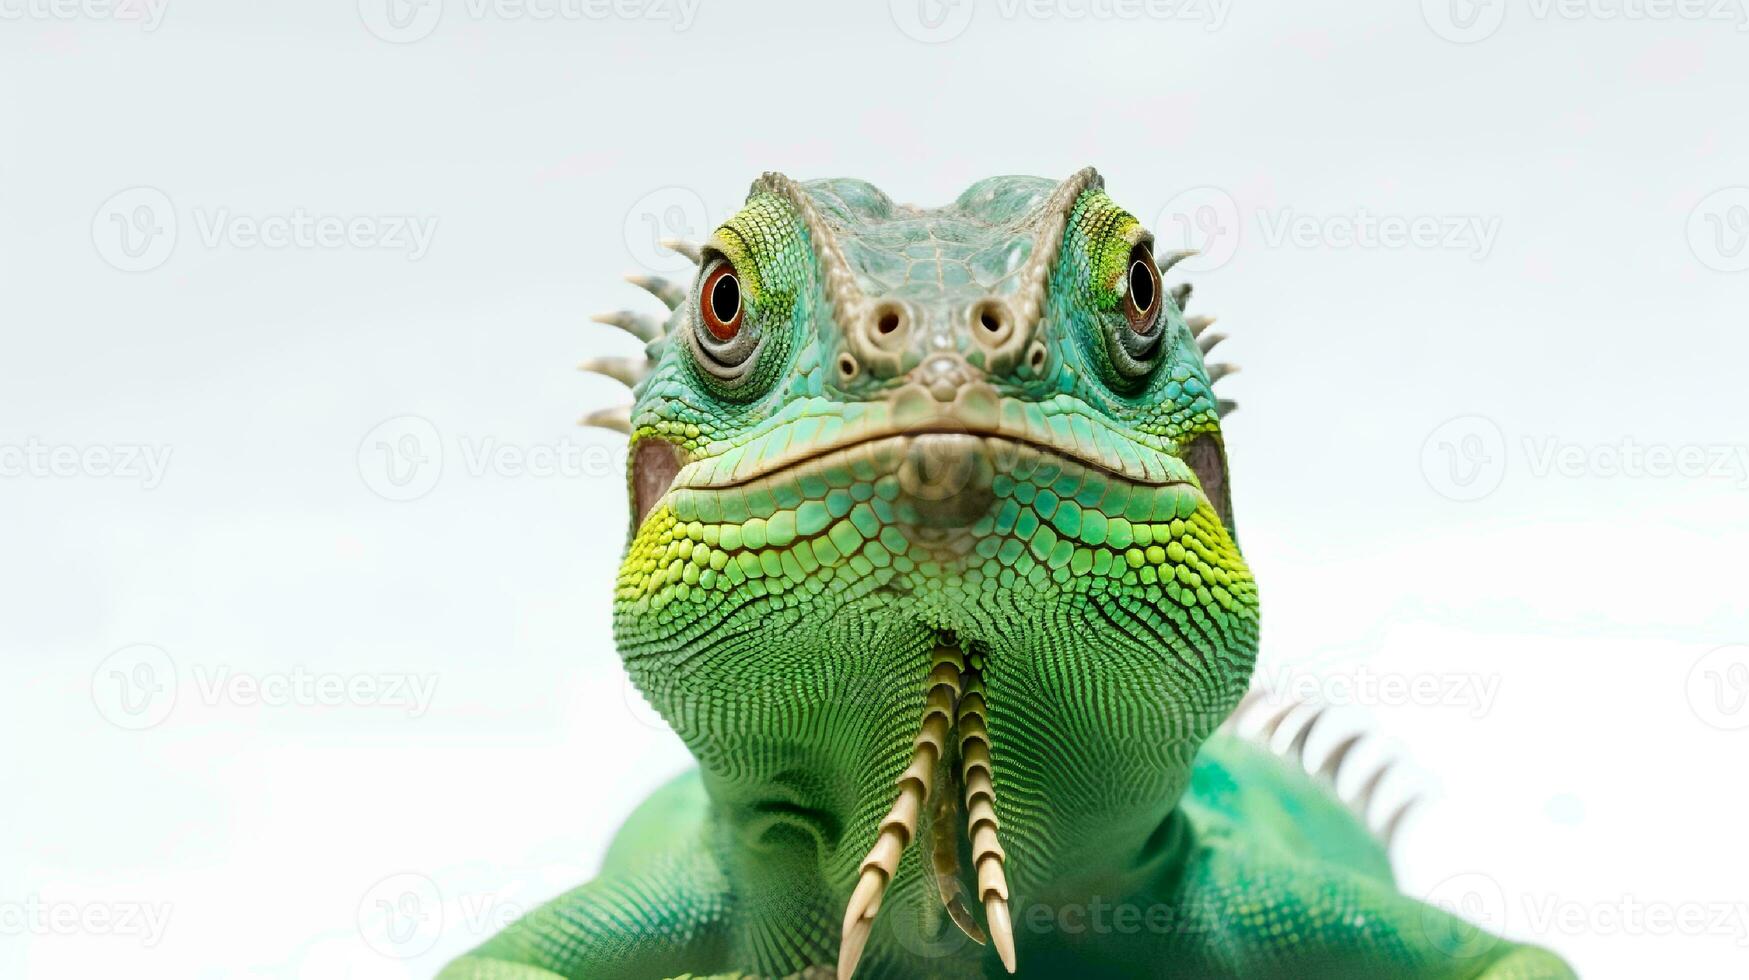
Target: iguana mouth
[951,760]
[1007,449]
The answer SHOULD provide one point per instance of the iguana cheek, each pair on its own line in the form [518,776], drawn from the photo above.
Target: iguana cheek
[655,462]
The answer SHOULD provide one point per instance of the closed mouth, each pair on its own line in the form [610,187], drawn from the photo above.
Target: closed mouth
[1007,451]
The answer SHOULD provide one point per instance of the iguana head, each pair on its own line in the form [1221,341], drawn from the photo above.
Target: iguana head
[874,439]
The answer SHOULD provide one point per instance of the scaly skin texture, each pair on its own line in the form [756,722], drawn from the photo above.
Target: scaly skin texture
[957,430]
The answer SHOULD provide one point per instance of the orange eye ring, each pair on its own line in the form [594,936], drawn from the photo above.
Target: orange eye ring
[720,304]
[1142,295]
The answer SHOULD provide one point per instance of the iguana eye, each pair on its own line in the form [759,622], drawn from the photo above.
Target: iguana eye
[719,301]
[723,340]
[1142,297]
[1134,342]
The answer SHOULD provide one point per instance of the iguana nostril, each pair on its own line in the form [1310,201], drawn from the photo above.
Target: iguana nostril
[888,322]
[993,324]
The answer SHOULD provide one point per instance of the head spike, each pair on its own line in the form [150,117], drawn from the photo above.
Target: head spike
[1181,295]
[671,293]
[1297,747]
[683,247]
[618,418]
[1225,407]
[1388,833]
[1332,767]
[1198,324]
[1166,260]
[1273,725]
[1219,371]
[626,370]
[1363,800]
[1208,341]
[642,327]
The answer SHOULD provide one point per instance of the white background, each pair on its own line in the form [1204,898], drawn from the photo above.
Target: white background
[1582,744]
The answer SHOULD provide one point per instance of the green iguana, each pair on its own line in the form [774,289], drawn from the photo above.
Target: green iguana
[932,566]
